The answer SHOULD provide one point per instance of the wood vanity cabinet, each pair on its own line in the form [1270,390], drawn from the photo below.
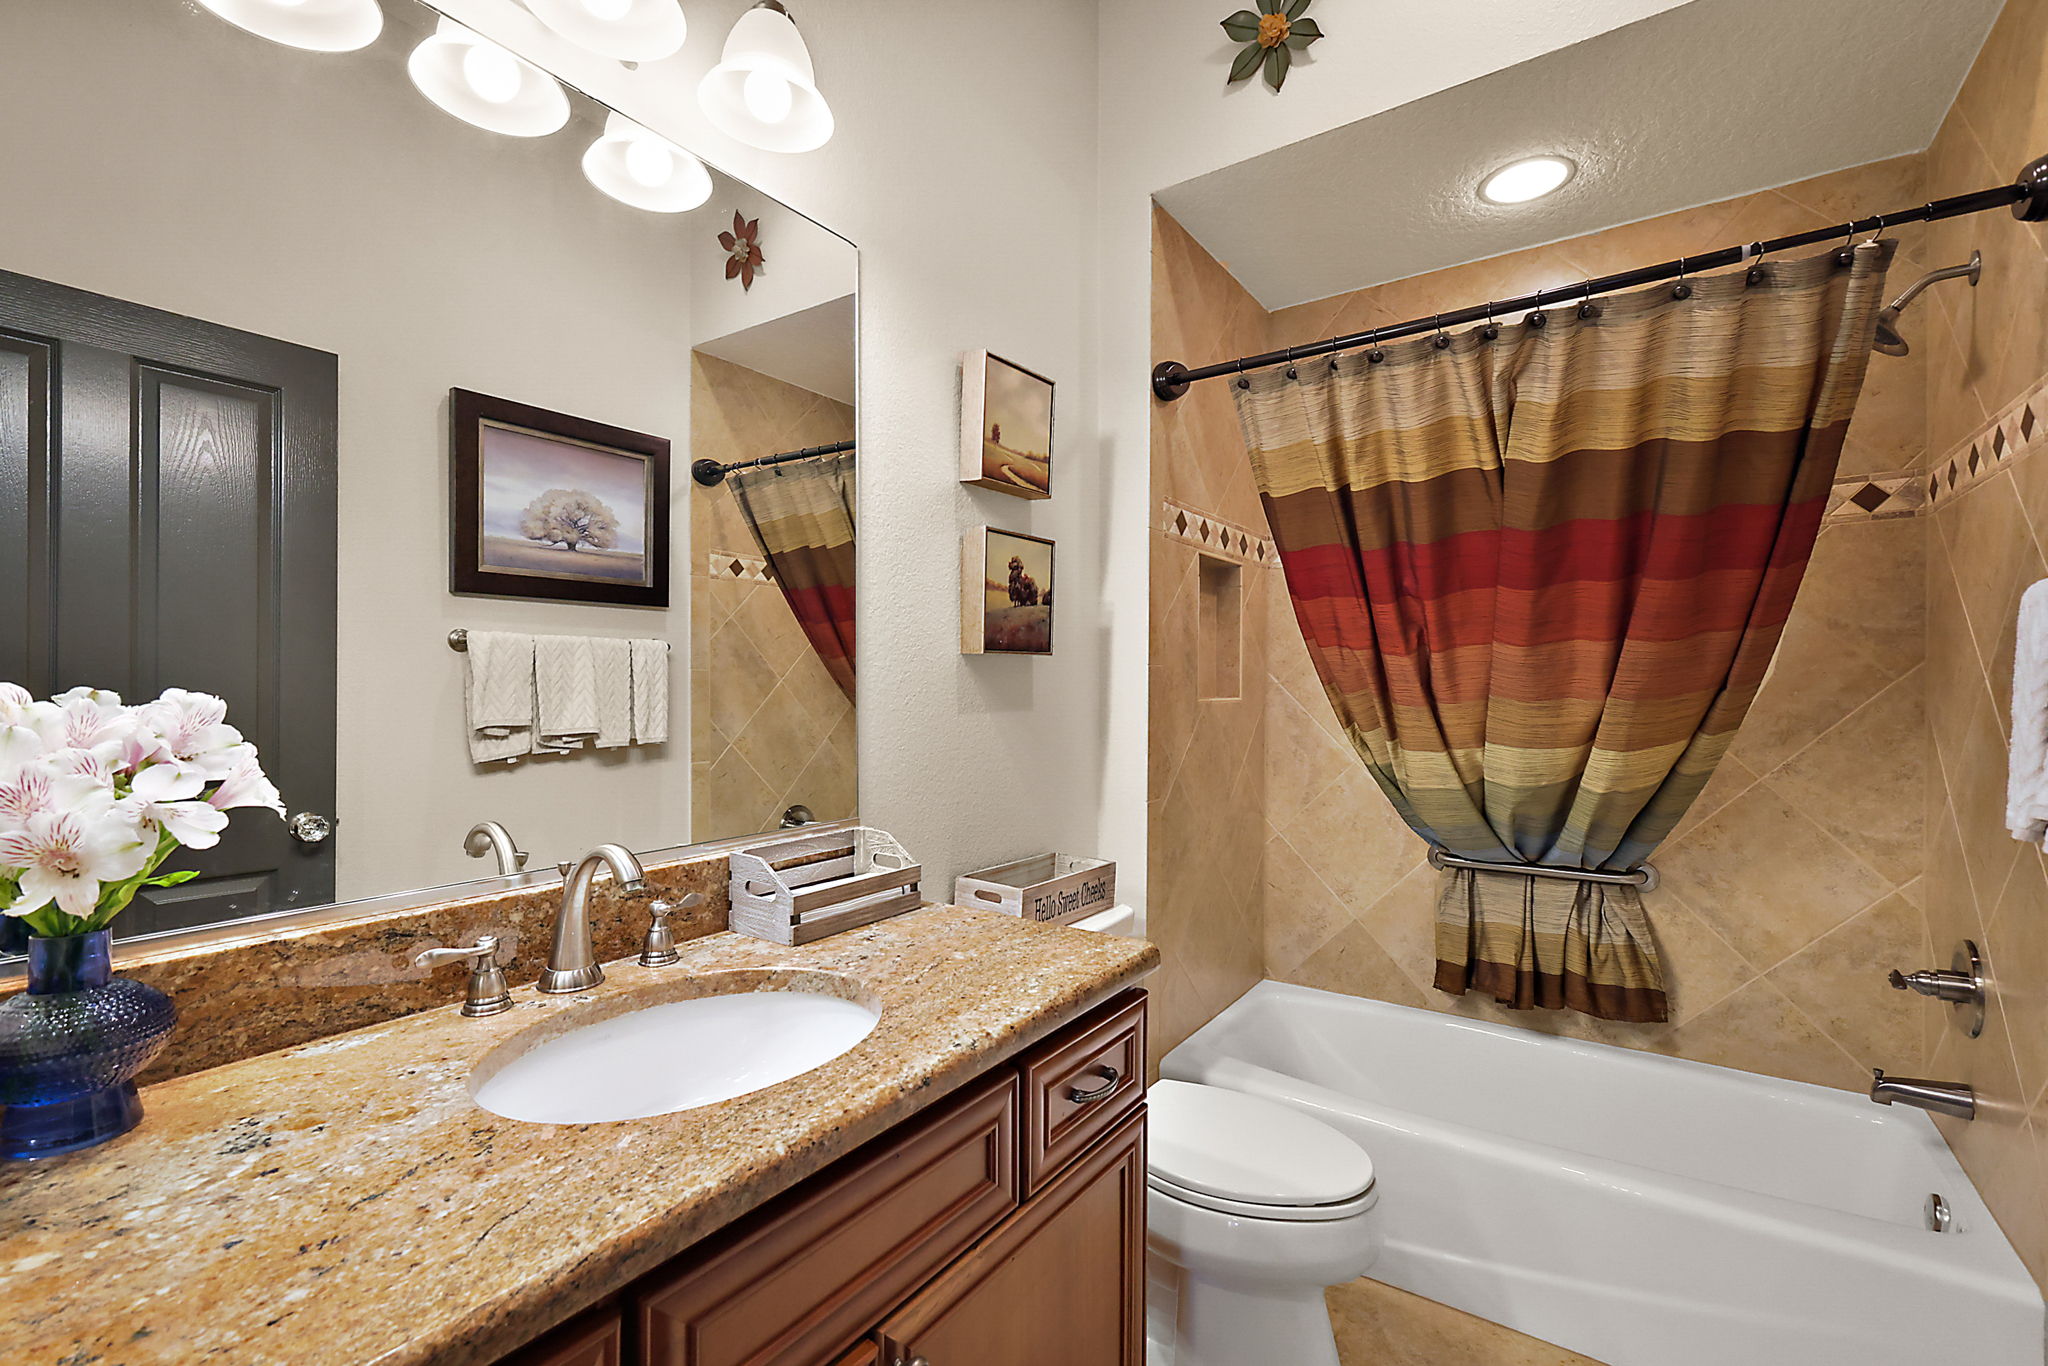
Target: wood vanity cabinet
[1004,1226]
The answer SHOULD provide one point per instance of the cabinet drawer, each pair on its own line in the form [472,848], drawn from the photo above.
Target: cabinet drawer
[1079,1083]
[803,1278]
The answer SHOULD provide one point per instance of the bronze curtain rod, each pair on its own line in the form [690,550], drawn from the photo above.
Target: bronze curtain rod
[710,473]
[2027,196]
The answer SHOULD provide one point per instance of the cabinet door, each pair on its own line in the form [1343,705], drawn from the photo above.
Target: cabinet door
[1061,1281]
[595,1339]
[806,1276]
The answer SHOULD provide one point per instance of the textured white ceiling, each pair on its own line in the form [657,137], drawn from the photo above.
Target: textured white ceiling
[1714,99]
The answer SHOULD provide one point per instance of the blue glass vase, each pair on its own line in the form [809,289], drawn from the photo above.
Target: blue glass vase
[70,1047]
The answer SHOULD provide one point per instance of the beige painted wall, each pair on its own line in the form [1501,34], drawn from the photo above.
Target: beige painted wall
[769,727]
[1988,348]
[1795,882]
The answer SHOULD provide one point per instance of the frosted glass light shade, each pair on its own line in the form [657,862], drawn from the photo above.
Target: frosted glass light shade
[315,25]
[763,90]
[479,82]
[624,30]
[644,169]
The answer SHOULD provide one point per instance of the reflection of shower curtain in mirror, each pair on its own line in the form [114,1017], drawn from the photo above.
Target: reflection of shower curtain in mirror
[1541,579]
[801,515]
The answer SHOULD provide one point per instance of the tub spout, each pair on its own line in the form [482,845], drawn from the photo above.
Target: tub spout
[1943,1097]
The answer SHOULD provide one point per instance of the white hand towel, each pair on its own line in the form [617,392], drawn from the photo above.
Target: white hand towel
[650,692]
[611,667]
[565,693]
[2026,784]
[498,696]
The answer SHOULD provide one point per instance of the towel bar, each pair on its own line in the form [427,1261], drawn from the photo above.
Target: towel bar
[458,639]
[1644,877]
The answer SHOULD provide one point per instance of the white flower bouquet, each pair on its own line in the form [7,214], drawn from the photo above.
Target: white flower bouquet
[96,794]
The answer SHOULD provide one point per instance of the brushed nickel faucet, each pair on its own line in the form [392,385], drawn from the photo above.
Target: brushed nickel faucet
[489,837]
[487,994]
[1943,1097]
[572,963]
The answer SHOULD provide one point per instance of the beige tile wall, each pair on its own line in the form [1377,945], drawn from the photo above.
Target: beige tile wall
[769,727]
[1208,762]
[1986,348]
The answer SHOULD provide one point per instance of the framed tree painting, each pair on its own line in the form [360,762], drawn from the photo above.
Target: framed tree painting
[1005,427]
[552,506]
[1005,593]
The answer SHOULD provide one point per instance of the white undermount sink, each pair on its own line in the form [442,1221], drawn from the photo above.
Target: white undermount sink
[673,1056]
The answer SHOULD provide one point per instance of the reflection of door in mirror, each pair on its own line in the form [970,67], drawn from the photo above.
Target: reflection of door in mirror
[772,594]
[167,505]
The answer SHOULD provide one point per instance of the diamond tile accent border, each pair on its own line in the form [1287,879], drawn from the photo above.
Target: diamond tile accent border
[2020,430]
[723,564]
[1213,534]
[1877,497]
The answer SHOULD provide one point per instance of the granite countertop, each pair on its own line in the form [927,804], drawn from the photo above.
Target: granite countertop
[346,1201]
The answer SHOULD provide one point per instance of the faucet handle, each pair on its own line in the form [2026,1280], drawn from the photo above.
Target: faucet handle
[488,994]
[659,950]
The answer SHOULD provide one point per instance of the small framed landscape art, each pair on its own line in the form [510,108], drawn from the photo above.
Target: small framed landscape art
[1005,427]
[1005,593]
[552,506]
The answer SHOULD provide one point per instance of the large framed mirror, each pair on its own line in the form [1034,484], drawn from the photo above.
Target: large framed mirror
[319,395]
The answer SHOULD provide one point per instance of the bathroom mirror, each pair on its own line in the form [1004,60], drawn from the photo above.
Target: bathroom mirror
[310,374]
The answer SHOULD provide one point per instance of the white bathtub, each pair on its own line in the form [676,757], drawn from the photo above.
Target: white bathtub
[1643,1210]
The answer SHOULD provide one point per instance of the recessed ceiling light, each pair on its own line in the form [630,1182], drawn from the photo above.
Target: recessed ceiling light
[1521,181]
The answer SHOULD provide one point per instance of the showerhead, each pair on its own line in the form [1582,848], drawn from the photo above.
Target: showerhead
[1889,340]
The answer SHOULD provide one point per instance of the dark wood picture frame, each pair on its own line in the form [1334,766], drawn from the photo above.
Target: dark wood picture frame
[469,414]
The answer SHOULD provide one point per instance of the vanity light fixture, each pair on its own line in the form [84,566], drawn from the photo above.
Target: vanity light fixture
[763,90]
[315,25]
[639,167]
[1518,182]
[624,30]
[479,82]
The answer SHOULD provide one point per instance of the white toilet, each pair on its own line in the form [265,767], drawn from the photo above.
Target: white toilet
[1253,1208]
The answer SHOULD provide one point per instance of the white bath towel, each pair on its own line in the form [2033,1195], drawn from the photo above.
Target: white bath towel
[2026,783]
[498,696]
[611,672]
[650,692]
[565,693]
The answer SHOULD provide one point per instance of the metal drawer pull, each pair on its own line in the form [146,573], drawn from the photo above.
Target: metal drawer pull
[1080,1097]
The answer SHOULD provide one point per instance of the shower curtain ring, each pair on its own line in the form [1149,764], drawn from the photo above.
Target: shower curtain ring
[1375,355]
[1756,274]
[1442,338]
[1242,381]
[1490,332]
[1536,317]
[1846,253]
[1681,290]
[1587,308]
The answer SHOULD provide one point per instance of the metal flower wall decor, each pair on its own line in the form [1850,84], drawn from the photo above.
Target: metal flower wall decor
[1272,35]
[743,256]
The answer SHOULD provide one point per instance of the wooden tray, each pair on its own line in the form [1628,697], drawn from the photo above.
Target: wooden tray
[800,888]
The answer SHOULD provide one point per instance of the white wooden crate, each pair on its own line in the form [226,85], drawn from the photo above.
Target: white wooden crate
[794,889]
[1054,888]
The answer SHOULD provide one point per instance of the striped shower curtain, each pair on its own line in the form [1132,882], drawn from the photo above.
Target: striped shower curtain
[1541,578]
[801,515]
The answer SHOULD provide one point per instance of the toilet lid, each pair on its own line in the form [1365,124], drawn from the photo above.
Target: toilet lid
[1244,1147]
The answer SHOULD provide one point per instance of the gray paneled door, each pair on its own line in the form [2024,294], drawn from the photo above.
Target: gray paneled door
[167,519]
